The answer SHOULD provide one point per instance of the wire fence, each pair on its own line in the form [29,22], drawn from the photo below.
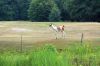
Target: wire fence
[22,42]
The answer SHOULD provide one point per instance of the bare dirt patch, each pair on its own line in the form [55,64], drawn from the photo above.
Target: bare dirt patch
[20,29]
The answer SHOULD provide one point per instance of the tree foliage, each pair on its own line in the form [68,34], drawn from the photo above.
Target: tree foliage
[55,14]
[50,10]
[42,10]
[14,9]
[84,10]
[63,9]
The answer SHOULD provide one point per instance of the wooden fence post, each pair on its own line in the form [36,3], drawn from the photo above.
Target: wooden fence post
[21,46]
[82,38]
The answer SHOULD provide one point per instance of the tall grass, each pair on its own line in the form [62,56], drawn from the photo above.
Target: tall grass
[74,55]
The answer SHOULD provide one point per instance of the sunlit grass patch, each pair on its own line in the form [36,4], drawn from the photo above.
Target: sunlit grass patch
[48,55]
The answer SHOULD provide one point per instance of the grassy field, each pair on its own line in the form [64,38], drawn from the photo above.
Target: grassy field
[48,55]
[40,48]
[36,34]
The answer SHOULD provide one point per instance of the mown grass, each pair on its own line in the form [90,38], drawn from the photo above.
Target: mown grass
[48,55]
[41,33]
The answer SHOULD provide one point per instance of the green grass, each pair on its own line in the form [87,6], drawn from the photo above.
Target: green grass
[62,52]
[48,55]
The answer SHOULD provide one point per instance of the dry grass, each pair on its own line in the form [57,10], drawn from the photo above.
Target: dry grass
[41,34]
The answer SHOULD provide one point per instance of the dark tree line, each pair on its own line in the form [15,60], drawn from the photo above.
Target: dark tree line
[14,9]
[50,10]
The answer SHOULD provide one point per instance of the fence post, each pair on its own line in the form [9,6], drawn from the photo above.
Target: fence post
[21,46]
[82,35]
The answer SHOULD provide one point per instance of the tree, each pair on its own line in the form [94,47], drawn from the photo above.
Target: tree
[62,5]
[14,9]
[6,10]
[87,10]
[55,14]
[50,10]
[41,9]
[22,7]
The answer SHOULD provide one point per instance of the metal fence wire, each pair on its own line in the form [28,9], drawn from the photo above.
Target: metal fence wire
[22,42]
